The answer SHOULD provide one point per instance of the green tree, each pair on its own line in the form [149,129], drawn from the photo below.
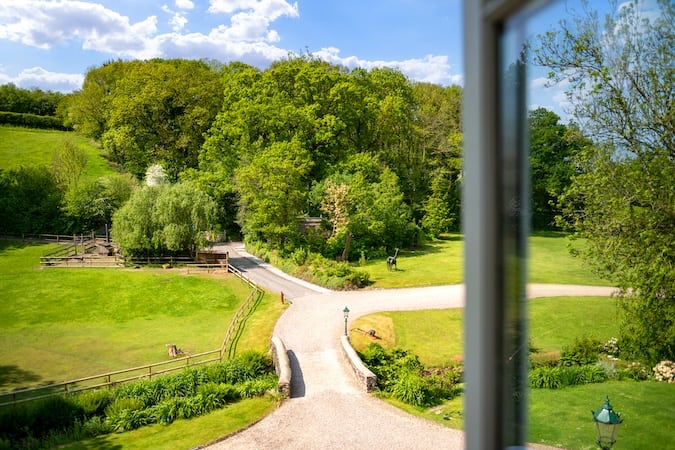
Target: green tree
[90,205]
[273,193]
[621,87]
[30,200]
[68,163]
[553,146]
[164,219]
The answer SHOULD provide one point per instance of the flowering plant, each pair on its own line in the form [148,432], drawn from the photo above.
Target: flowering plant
[665,371]
[611,347]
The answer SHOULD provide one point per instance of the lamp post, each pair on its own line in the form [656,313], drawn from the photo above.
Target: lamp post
[346,313]
[607,425]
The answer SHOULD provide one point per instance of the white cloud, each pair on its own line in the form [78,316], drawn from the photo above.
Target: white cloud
[269,9]
[185,4]
[431,69]
[45,24]
[45,80]
[178,19]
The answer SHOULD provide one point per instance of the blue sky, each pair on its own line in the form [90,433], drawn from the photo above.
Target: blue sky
[50,44]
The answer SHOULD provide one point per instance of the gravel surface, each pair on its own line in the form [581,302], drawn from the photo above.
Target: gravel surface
[327,409]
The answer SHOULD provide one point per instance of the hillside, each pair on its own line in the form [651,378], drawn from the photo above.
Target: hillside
[34,147]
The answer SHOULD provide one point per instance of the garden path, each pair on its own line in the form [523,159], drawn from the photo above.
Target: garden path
[327,409]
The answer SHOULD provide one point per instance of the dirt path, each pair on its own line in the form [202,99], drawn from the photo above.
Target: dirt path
[327,409]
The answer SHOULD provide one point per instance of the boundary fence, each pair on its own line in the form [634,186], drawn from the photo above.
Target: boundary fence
[227,350]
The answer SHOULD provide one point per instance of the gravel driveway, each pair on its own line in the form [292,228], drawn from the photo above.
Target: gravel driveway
[327,410]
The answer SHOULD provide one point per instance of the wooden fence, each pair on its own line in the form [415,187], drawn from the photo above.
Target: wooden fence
[226,350]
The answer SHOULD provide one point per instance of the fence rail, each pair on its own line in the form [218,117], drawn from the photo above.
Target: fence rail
[226,350]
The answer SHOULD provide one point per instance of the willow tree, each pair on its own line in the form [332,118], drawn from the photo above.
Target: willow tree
[621,85]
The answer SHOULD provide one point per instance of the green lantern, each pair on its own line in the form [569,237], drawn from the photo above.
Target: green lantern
[607,423]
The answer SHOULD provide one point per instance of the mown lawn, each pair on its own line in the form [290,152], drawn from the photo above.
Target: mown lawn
[442,262]
[62,324]
[559,417]
[30,147]
[437,336]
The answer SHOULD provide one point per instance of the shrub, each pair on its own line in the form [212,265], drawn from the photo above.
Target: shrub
[410,388]
[545,378]
[123,404]
[611,347]
[584,351]
[129,419]
[636,371]
[257,387]
[94,402]
[665,371]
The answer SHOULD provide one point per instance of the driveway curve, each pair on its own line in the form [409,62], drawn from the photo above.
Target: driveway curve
[327,409]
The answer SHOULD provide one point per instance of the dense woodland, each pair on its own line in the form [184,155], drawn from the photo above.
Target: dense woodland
[375,154]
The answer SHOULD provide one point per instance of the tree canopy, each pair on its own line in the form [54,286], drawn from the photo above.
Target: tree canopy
[620,75]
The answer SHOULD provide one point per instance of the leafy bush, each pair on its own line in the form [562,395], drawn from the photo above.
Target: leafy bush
[410,388]
[402,375]
[545,378]
[584,351]
[57,420]
[257,387]
[32,121]
[94,402]
[637,371]
[559,377]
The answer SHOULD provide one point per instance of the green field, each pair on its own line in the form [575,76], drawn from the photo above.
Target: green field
[442,262]
[62,324]
[29,147]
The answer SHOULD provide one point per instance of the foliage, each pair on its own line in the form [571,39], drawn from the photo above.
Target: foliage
[330,119]
[30,101]
[559,377]
[313,267]
[583,352]
[401,375]
[165,218]
[272,189]
[621,87]
[552,149]
[32,121]
[30,200]
[162,400]
[148,112]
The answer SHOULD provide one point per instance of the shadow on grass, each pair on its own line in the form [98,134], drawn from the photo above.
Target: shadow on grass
[17,376]
[97,443]
[7,245]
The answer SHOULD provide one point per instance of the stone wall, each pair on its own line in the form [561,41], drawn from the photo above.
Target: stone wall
[364,376]
[282,366]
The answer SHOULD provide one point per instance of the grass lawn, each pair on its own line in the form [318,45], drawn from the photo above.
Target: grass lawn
[66,323]
[557,417]
[442,262]
[184,434]
[34,147]
[437,336]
